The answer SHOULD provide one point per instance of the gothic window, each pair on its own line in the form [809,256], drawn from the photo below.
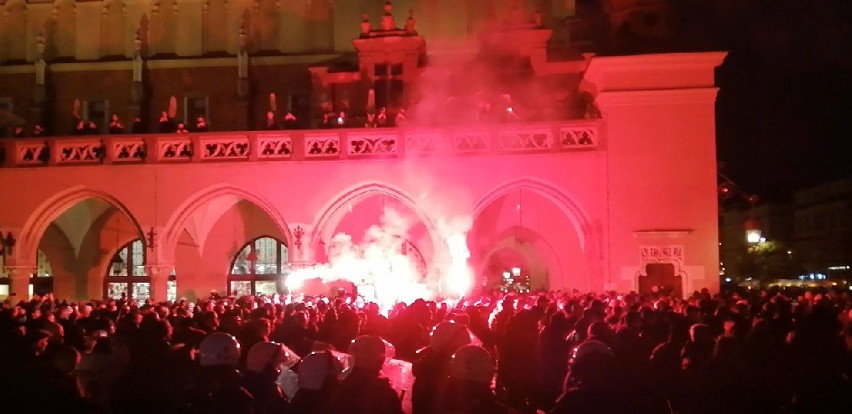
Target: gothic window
[43,281]
[126,276]
[40,284]
[97,111]
[193,107]
[388,85]
[259,268]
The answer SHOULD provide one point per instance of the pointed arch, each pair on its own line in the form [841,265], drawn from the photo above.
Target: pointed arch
[576,215]
[331,213]
[52,208]
[177,222]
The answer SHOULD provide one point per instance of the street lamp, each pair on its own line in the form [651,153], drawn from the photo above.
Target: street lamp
[729,189]
[752,229]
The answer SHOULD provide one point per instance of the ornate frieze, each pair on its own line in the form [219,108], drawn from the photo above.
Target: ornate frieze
[372,144]
[322,146]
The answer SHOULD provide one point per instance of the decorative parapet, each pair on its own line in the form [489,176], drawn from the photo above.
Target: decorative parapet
[370,143]
[322,146]
[174,148]
[274,146]
[126,149]
[78,151]
[225,148]
[525,139]
[362,143]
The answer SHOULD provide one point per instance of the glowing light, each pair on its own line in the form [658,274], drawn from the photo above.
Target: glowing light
[459,277]
[727,279]
[753,236]
[516,271]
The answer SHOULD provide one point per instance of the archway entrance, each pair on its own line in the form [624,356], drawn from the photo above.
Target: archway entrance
[78,246]
[230,243]
[377,240]
[522,240]
[660,278]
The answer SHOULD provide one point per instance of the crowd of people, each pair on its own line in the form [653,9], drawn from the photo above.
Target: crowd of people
[756,351]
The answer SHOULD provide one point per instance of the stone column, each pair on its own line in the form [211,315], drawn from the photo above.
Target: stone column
[19,282]
[159,275]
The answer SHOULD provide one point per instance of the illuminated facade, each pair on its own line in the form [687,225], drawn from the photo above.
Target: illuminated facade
[591,173]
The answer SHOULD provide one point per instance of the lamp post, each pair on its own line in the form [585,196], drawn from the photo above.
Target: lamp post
[729,189]
[752,224]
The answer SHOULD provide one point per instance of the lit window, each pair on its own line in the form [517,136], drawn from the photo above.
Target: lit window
[259,268]
[40,285]
[126,277]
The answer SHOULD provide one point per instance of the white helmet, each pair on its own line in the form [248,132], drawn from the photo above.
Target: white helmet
[264,355]
[219,348]
[315,368]
[472,362]
[368,351]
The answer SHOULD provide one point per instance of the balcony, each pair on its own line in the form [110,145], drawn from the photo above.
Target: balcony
[301,145]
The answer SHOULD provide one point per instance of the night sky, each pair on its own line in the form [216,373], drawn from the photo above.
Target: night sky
[784,110]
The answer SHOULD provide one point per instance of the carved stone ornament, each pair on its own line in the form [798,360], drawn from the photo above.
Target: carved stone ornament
[662,254]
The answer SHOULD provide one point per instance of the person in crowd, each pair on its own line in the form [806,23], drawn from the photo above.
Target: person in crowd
[766,351]
[592,385]
[365,390]
[263,366]
[468,389]
[218,386]
[19,132]
[317,381]
[431,368]
[38,131]
[181,128]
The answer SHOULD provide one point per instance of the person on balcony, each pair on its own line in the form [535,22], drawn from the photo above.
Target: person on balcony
[290,121]
[38,131]
[400,119]
[79,127]
[200,125]
[270,124]
[92,128]
[181,129]
[166,123]
[138,127]
[382,118]
[115,125]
